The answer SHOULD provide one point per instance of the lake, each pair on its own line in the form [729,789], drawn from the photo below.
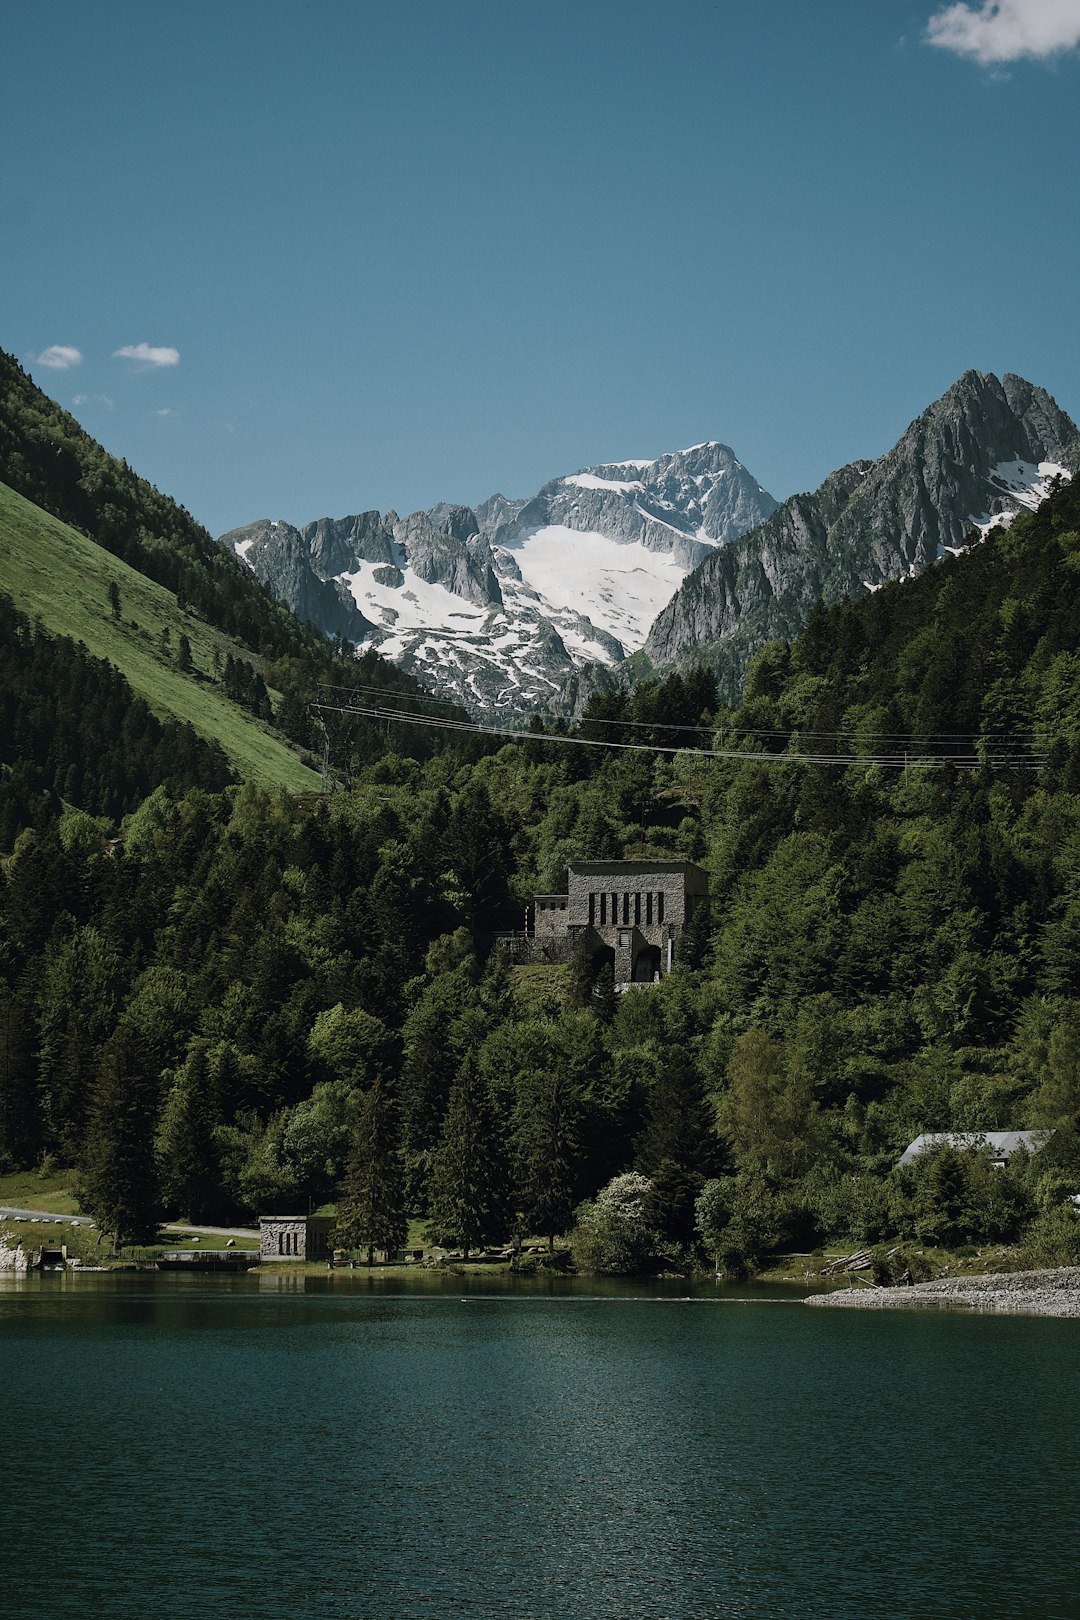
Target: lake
[290,1448]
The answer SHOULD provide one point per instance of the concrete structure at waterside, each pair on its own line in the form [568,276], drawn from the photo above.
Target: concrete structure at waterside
[296,1237]
[1001,1145]
[12,1258]
[630,914]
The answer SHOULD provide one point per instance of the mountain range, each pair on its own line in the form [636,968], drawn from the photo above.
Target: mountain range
[521,605]
[506,608]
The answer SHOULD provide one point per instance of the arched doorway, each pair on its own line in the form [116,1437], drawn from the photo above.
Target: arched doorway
[647,964]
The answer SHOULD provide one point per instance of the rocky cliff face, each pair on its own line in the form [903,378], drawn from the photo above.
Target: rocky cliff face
[980,454]
[682,504]
[439,557]
[282,559]
[518,605]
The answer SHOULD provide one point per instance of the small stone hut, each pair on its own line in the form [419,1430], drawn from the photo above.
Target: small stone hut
[296,1237]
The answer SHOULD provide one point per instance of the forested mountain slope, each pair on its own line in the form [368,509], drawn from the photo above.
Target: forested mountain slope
[47,457]
[173,660]
[95,553]
[254,1000]
[984,451]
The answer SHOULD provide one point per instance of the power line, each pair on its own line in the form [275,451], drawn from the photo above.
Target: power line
[909,741]
[907,758]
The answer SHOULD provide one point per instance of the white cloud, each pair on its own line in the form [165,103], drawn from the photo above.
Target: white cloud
[59,357]
[1000,31]
[93,399]
[166,410]
[147,355]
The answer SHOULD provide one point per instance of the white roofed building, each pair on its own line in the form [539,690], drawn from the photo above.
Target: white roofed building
[1000,1144]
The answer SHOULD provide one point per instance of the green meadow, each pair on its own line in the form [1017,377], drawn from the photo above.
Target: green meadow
[54,573]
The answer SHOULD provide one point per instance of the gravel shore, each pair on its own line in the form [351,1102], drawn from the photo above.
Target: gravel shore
[1033,1293]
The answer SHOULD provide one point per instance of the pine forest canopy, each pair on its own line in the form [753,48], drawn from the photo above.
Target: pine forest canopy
[218,999]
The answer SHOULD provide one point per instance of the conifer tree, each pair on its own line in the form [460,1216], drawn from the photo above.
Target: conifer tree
[371,1214]
[468,1171]
[547,1150]
[187,1157]
[433,1049]
[20,1124]
[677,1149]
[118,1176]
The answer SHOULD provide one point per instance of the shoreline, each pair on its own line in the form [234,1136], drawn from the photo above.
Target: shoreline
[1054,1292]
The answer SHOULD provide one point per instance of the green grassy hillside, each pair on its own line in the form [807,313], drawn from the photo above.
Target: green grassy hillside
[54,573]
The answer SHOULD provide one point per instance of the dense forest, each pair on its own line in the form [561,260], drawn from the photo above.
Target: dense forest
[228,1001]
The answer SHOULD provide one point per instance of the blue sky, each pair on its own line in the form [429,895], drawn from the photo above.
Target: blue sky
[381,255]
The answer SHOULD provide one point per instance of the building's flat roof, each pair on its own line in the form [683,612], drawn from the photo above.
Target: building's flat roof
[628,867]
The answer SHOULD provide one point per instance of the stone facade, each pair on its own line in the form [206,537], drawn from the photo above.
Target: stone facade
[632,913]
[549,916]
[295,1237]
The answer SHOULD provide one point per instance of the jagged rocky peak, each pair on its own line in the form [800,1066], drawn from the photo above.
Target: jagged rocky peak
[504,606]
[459,522]
[438,557]
[337,544]
[497,512]
[707,482]
[281,558]
[985,450]
[682,503]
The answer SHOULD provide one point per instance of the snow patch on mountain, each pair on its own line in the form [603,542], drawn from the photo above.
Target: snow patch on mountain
[413,605]
[590,481]
[1026,483]
[618,585]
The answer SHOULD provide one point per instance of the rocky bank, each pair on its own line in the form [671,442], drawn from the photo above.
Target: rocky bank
[1032,1293]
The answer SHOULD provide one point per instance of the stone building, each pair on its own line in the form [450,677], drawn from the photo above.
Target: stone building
[630,912]
[295,1237]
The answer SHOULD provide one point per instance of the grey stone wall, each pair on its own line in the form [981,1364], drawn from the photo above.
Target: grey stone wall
[294,1237]
[549,916]
[528,952]
[282,1237]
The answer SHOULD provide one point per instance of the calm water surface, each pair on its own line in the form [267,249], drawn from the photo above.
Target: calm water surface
[285,1448]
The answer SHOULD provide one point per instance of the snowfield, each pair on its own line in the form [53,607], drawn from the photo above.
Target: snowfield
[619,587]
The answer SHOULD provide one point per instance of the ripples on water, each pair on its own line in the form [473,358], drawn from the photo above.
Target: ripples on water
[303,1449]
